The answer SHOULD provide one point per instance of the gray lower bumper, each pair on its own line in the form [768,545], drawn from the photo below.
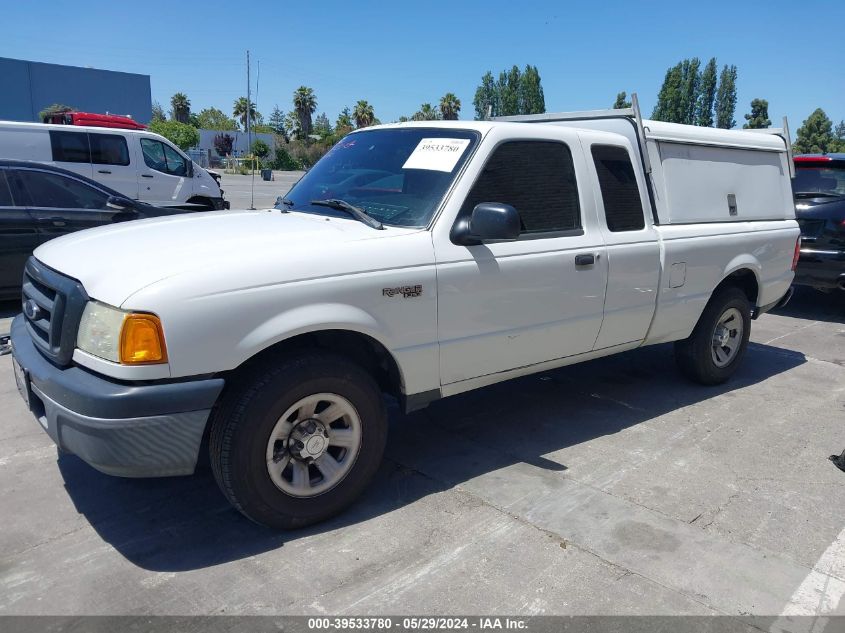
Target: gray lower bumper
[154,446]
[146,430]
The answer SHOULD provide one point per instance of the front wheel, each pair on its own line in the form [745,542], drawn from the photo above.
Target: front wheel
[295,441]
[716,346]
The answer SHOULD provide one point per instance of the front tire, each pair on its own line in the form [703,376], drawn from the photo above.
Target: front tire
[295,441]
[714,350]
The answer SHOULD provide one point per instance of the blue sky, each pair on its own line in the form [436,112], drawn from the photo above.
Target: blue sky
[398,55]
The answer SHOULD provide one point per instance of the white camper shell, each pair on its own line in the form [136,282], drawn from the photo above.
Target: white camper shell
[699,174]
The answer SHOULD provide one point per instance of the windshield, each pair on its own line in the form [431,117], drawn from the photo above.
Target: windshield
[818,179]
[397,176]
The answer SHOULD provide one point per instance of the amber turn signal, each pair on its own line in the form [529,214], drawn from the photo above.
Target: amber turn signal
[142,340]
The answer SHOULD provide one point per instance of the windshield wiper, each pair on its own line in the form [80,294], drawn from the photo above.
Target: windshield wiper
[356,212]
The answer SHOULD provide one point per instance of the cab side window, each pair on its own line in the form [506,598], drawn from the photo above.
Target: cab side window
[70,147]
[535,177]
[49,190]
[163,158]
[109,149]
[623,208]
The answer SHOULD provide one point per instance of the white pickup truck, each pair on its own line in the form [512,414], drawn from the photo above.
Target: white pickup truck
[418,260]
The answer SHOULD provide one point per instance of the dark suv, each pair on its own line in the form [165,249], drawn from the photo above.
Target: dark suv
[819,190]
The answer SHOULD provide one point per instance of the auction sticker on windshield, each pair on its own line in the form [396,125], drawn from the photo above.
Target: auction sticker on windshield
[437,154]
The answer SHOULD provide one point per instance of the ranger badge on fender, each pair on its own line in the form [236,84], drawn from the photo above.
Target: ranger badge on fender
[405,291]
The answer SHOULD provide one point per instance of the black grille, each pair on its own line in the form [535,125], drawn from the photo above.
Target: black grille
[52,305]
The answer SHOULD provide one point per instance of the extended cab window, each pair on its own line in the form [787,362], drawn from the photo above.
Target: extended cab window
[163,158]
[623,207]
[50,190]
[70,147]
[109,149]
[537,178]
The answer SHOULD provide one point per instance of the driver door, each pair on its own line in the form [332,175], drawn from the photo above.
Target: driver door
[507,305]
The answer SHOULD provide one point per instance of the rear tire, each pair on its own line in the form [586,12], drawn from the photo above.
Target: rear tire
[714,350]
[295,441]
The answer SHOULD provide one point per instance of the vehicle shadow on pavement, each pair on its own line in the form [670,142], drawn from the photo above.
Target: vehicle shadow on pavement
[178,524]
[811,304]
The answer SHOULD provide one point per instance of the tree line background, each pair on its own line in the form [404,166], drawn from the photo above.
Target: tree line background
[691,94]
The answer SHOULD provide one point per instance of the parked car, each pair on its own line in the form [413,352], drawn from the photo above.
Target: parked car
[819,191]
[137,163]
[40,202]
[419,260]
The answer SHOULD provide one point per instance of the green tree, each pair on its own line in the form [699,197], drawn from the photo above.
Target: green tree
[239,111]
[426,113]
[260,148]
[363,114]
[450,107]
[180,107]
[815,136]
[343,125]
[621,103]
[323,126]
[690,88]
[158,113]
[668,106]
[759,117]
[839,138]
[531,97]
[304,104]
[706,95]
[277,120]
[214,119]
[509,92]
[726,98]
[486,98]
[182,135]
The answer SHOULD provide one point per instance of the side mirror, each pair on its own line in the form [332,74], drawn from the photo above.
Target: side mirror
[120,204]
[190,169]
[489,221]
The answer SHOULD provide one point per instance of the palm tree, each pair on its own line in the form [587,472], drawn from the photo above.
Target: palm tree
[425,113]
[181,107]
[450,106]
[363,113]
[240,108]
[304,104]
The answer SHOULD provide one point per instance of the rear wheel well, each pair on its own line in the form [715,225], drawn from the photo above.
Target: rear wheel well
[745,280]
[361,349]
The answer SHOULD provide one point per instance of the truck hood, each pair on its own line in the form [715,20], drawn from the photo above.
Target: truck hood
[113,262]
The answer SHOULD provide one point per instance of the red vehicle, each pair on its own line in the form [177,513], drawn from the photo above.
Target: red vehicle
[96,120]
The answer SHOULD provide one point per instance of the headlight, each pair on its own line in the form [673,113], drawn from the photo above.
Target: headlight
[130,338]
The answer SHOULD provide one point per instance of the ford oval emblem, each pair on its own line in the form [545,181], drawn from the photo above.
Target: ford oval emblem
[32,310]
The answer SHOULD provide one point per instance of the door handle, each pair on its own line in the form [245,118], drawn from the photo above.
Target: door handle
[55,221]
[103,171]
[585,259]
[146,176]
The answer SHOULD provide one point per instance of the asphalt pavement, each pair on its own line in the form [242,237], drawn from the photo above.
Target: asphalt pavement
[611,487]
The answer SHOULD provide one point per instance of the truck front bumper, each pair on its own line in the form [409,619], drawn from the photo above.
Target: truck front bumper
[124,429]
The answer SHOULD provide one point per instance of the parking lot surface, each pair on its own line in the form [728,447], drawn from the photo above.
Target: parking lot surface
[611,487]
[244,191]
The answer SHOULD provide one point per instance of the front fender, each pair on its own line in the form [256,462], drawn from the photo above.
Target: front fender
[307,319]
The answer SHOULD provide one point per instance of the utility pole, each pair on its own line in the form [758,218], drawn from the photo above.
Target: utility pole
[249,135]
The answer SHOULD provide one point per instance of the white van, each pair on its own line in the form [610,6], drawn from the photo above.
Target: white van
[137,163]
